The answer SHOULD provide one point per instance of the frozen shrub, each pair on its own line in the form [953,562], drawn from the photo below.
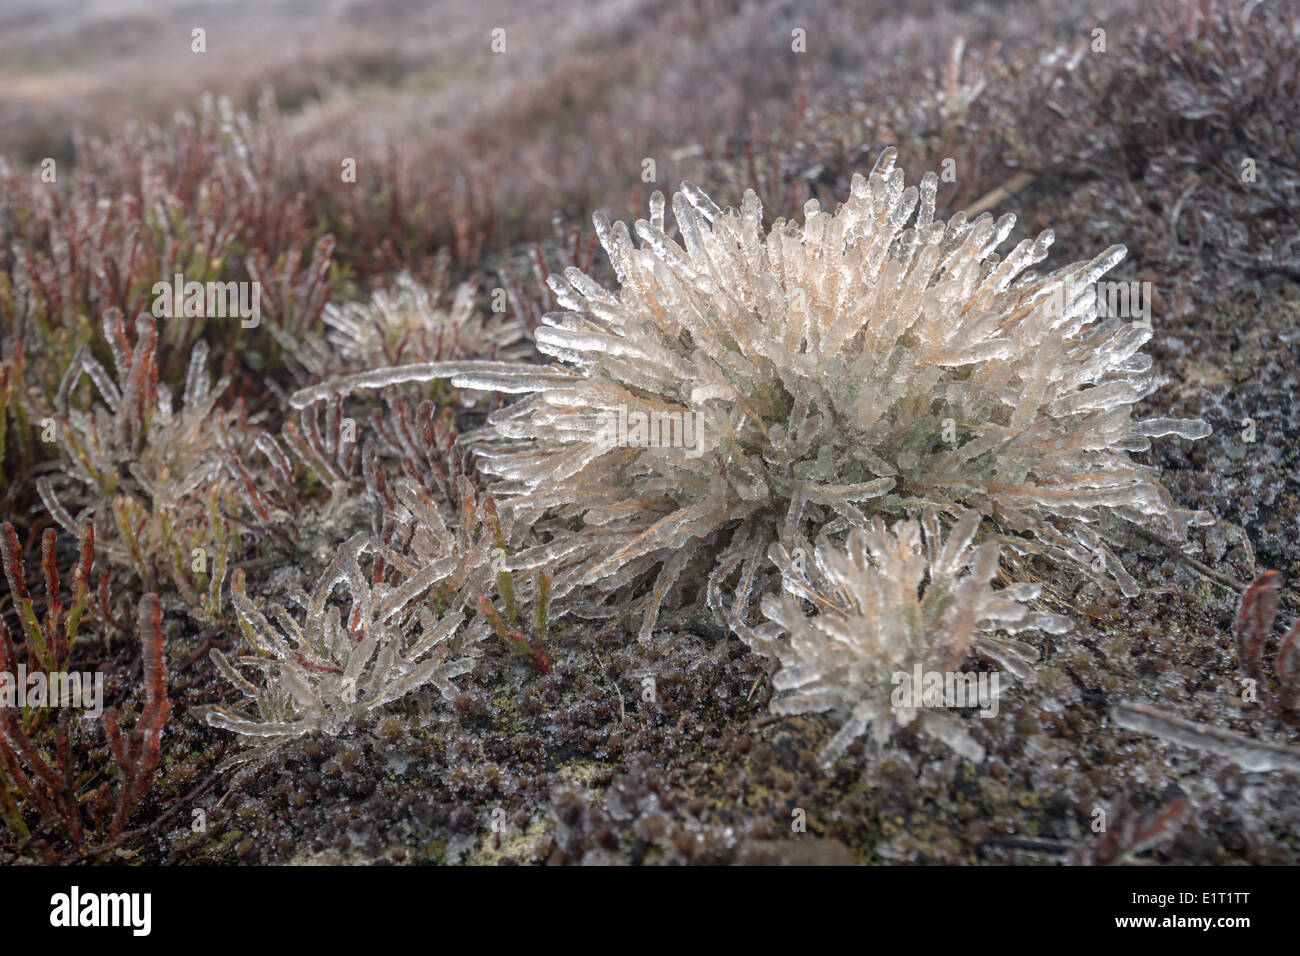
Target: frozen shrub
[886,603]
[412,323]
[341,662]
[415,435]
[149,473]
[420,596]
[414,535]
[745,384]
[500,570]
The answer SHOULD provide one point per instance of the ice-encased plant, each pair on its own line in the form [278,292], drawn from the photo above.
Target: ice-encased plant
[420,598]
[147,469]
[886,603]
[410,322]
[744,383]
[344,660]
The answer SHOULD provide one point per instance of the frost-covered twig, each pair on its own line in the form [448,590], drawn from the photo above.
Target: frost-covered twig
[1248,753]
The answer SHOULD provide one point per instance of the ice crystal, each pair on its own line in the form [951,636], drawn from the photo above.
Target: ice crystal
[743,384]
[890,602]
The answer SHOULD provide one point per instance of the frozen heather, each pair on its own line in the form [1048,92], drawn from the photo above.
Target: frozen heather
[410,323]
[344,660]
[147,469]
[747,384]
[891,602]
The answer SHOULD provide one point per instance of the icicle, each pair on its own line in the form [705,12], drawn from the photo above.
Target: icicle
[1249,754]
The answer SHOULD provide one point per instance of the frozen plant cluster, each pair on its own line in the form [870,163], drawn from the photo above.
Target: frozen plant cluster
[887,602]
[148,470]
[872,362]
[344,660]
[409,322]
